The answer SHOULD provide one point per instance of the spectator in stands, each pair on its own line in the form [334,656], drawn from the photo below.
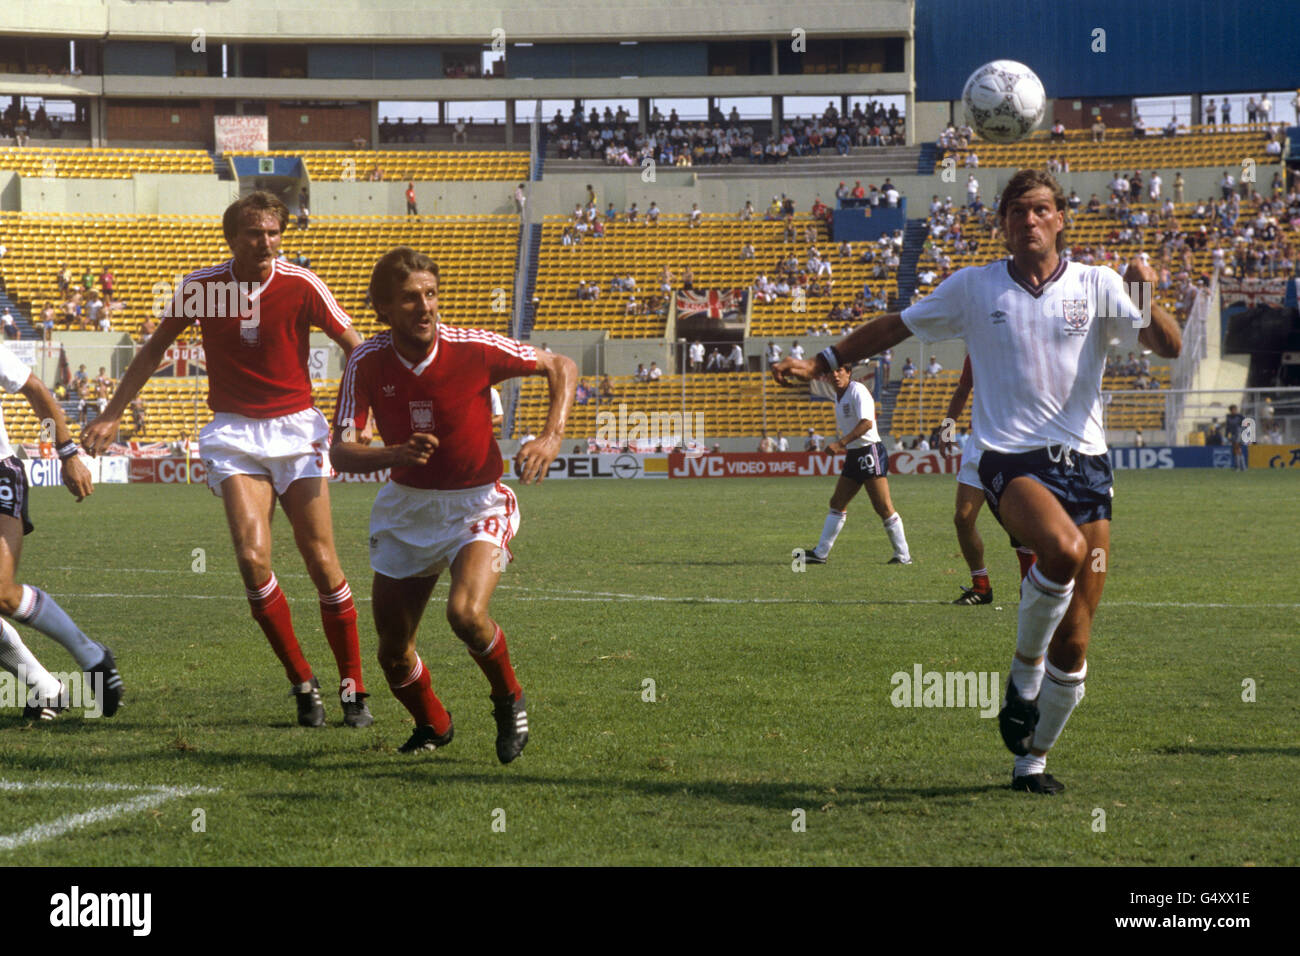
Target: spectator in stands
[10,327]
[736,360]
[1265,108]
[696,356]
[304,217]
[1225,111]
[458,134]
[1209,113]
[1139,127]
[773,353]
[747,250]
[766,445]
[521,199]
[47,321]
[632,213]
[814,441]
[858,192]
[640,375]
[138,416]
[583,393]
[688,280]
[655,373]
[87,280]
[411,208]
[1226,184]
[1171,128]
[715,361]
[842,192]
[1098,130]
[1058,131]
[107,282]
[934,368]
[909,370]
[606,389]
[747,214]
[103,384]
[696,218]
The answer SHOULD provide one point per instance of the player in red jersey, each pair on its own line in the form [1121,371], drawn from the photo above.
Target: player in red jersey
[428,389]
[266,441]
[970,497]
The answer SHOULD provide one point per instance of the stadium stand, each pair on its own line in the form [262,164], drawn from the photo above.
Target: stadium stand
[75,163]
[712,251]
[330,165]
[1201,146]
[476,256]
[732,405]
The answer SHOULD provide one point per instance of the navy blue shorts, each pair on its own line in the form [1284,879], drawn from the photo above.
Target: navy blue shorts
[1083,487]
[869,461]
[13,492]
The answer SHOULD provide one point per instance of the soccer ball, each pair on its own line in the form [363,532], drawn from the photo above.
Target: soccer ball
[1004,101]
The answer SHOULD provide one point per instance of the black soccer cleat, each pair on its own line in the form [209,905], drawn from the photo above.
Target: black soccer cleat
[810,556]
[512,727]
[107,683]
[355,711]
[971,597]
[426,738]
[1017,720]
[1043,783]
[311,710]
[48,710]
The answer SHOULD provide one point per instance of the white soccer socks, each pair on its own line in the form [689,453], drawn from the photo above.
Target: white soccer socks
[1061,693]
[894,528]
[830,531]
[37,609]
[1043,604]
[17,659]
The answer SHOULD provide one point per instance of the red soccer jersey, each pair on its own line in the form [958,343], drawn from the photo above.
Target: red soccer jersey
[448,395]
[255,338]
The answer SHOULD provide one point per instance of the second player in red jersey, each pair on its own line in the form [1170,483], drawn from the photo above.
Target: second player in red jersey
[427,387]
[266,442]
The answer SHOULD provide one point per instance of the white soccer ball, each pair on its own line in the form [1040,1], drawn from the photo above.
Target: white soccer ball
[1004,101]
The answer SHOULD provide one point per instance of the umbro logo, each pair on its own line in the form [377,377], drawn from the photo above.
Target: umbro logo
[998,317]
[390,391]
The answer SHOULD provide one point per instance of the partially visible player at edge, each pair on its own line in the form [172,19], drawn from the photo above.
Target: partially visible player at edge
[24,603]
[866,465]
[970,496]
[266,441]
[428,387]
[1037,329]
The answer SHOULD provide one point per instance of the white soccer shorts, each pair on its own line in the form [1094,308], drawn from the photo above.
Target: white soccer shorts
[970,468]
[283,449]
[417,532]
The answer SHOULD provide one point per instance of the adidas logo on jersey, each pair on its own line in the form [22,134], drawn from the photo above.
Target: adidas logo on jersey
[390,391]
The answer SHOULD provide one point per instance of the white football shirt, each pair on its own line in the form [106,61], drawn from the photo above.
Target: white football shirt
[13,376]
[850,408]
[1037,355]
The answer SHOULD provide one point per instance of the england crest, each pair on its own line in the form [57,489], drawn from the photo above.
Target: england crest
[422,416]
[1076,315]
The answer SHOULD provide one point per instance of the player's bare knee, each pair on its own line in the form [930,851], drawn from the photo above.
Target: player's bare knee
[467,619]
[1064,554]
[11,595]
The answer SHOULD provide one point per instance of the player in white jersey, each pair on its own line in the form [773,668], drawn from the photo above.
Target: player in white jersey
[866,463]
[24,603]
[1037,329]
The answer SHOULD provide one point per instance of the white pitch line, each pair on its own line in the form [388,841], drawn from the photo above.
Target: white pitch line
[614,597]
[40,832]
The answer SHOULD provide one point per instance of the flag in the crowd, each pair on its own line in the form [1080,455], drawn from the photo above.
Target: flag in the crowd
[714,303]
[64,373]
[181,360]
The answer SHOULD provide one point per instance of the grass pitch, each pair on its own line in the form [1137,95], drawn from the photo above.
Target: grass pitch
[772,691]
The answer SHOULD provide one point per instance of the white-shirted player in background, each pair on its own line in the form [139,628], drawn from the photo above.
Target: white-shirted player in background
[970,498]
[1037,329]
[866,463]
[266,441]
[24,603]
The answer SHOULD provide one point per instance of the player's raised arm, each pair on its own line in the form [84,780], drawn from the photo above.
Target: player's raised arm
[535,457]
[100,433]
[863,342]
[1162,336]
[75,474]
